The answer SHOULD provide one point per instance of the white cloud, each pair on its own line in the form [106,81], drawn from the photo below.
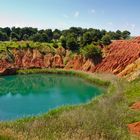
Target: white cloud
[76,14]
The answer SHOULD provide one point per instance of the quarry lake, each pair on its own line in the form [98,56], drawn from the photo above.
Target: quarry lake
[33,94]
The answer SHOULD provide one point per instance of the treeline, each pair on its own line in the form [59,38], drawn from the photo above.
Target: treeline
[85,41]
[74,33]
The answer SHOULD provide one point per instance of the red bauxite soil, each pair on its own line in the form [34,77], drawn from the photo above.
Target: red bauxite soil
[136,106]
[135,127]
[120,54]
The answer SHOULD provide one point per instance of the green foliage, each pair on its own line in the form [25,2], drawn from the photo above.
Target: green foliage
[87,38]
[3,36]
[81,36]
[42,47]
[106,40]
[63,42]
[14,36]
[91,51]
[126,34]
[71,44]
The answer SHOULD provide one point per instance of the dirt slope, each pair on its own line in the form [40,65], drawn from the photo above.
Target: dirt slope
[121,58]
[120,54]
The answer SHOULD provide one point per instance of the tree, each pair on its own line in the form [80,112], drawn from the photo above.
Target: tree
[91,51]
[63,42]
[3,36]
[50,34]
[56,34]
[125,34]
[7,30]
[71,44]
[118,34]
[106,40]
[14,36]
[87,38]
[40,37]
[25,37]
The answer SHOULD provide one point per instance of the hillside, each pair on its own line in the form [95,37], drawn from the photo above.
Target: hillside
[120,58]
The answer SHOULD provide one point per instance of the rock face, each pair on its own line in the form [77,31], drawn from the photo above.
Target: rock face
[131,71]
[121,58]
[57,61]
[48,60]
[120,54]
[88,66]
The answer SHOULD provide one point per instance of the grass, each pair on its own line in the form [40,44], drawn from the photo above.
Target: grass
[104,118]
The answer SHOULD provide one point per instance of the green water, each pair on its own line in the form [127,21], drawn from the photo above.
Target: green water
[26,95]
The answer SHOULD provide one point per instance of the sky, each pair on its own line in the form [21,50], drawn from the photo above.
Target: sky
[62,14]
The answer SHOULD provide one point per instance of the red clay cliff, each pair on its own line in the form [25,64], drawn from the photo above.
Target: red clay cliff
[117,57]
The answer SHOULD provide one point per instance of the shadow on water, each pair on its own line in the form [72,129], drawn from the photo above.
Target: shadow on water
[37,93]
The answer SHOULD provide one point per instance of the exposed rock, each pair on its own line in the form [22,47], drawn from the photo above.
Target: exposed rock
[57,62]
[131,71]
[120,54]
[78,62]
[27,59]
[4,65]
[48,59]
[61,51]
[88,66]
[69,64]
[18,55]
[75,63]
[37,60]
[121,58]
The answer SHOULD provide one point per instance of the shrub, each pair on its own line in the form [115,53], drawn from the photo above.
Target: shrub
[91,51]
[106,40]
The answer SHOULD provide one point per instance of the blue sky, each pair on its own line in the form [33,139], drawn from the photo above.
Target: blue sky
[62,14]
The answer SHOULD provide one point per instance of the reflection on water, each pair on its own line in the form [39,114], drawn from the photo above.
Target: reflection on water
[24,95]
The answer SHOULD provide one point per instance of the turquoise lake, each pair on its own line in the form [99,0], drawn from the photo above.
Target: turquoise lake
[33,94]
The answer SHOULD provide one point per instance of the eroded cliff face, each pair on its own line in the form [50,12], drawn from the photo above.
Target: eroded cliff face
[121,58]
[33,58]
[120,54]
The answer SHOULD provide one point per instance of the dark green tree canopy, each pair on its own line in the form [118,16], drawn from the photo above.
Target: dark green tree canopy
[72,38]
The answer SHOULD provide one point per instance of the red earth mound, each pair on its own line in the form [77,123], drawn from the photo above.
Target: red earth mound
[136,106]
[134,128]
[120,54]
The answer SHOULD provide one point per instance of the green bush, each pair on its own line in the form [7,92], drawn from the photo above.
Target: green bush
[106,40]
[91,51]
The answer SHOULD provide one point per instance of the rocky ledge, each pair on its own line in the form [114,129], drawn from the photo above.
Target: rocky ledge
[121,58]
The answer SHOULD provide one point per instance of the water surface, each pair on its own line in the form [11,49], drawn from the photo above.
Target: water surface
[26,95]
